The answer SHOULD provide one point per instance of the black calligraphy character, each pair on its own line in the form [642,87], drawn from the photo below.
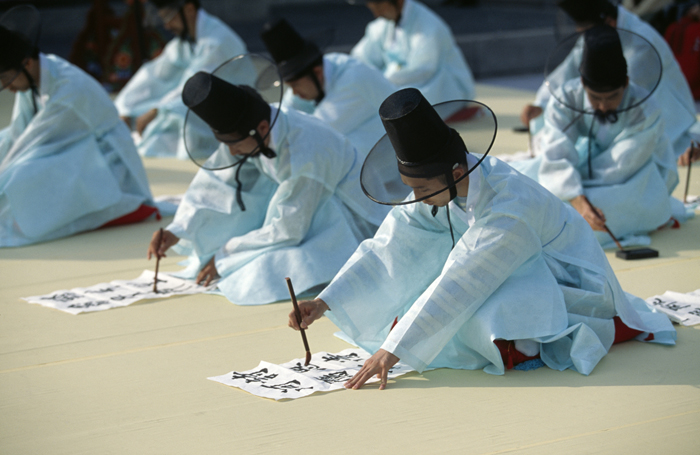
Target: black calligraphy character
[100,291]
[695,312]
[287,386]
[675,306]
[256,376]
[332,378]
[124,297]
[89,304]
[352,357]
[299,368]
[63,298]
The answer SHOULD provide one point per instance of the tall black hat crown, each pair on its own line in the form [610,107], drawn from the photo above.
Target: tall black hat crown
[168,3]
[225,107]
[422,142]
[293,54]
[588,11]
[19,34]
[425,146]
[603,65]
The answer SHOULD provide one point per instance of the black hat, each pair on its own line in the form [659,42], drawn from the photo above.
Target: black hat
[588,11]
[424,145]
[19,34]
[605,57]
[421,143]
[293,54]
[232,99]
[174,4]
[221,105]
[603,65]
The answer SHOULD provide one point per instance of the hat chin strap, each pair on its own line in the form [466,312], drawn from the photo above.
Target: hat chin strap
[32,87]
[185,35]
[262,148]
[321,92]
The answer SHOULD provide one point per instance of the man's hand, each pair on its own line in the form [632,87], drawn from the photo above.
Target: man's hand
[691,155]
[310,311]
[529,112]
[593,215]
[169,239]
[380,364]
[143,120]
[208,273]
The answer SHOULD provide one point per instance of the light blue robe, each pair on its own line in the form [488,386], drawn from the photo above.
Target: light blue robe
[158,85]
[525,267]
[634,168]
[70,167]
[305,214]
[673,93]
[353,93]
[421,52]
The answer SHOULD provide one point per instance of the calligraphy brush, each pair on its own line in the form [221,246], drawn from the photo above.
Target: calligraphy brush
[687,180]
[634,253]
[297,313]
[155,277]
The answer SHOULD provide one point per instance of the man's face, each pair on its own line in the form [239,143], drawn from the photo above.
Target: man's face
[237,144]
[14,81]
[387,10]
[304,88]
[423,187]
[172,20]
[605,101]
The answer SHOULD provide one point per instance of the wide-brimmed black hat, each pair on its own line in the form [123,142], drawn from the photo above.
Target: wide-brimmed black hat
[603,58]
[588,11]
[231,99]
[424,141]
[19,34]
[293,54]
[603,66]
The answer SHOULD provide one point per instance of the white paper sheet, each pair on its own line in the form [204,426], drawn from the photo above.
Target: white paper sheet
[681,308]
[117,293]
[325,372]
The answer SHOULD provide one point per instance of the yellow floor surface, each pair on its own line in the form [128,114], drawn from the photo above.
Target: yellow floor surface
[133,380]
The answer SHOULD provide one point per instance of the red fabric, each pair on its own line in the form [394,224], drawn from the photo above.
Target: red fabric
[684,39]
[140,214]
[624,333]
[512,357]
[463,114]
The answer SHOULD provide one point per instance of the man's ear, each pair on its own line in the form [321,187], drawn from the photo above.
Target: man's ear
[318,72]
[263,128]
[458,172]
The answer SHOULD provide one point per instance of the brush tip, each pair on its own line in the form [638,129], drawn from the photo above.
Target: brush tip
[308,358]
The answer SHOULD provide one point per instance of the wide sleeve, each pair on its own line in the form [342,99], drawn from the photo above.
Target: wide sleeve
[558,171]
[289,216]
[486,255]
[385,274]
[370,48]
[422,61]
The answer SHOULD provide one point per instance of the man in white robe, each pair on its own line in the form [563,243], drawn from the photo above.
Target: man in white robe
[151,102]
[414,47]
[67,162]
[291,207]
[523,278]
[673,94]
[335,88]
[619,171]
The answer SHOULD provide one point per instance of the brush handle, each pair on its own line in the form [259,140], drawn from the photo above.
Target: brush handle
[297,313]
[687,180]
[605,226]
[155,277]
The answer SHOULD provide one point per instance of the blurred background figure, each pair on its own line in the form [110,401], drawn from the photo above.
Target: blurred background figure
[414,47]
[67,162]
[151,103]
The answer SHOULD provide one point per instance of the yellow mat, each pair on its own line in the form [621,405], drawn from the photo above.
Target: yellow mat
[133,380]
